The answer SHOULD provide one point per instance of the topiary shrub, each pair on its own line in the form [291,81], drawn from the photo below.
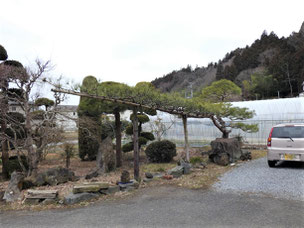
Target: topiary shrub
[127,147]
[161,151]
[14,164]
[143,137]
[3,53]
[147,135]
[88,145]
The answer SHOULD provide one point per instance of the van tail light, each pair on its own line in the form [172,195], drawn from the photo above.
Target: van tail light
[269,138]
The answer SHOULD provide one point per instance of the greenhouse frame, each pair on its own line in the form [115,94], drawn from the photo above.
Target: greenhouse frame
[267,114]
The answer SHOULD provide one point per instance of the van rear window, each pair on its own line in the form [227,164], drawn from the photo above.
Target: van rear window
[288,131]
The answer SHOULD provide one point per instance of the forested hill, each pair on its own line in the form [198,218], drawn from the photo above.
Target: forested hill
[269,65]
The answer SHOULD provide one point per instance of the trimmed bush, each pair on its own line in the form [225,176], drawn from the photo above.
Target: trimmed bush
[161,151]
[14,164]
[88,145]
[148,135]
[127,147]
[130,146]
[3,53]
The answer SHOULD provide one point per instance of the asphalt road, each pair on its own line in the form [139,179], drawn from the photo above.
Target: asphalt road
[171,207]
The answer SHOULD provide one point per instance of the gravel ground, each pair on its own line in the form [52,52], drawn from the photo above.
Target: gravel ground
[285,181]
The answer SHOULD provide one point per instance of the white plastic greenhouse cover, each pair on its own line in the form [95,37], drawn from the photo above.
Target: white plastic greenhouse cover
[275,109]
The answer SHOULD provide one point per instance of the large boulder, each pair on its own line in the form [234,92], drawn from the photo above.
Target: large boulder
[125,177]
[76,198]
[53,176]
[186,166]
[105,160]
[108,154]
[176,171]
[224,151]
[13,191]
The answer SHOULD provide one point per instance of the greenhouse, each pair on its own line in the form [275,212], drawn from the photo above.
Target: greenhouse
[201,131]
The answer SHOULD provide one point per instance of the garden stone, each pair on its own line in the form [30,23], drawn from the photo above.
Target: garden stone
[231,146]
[158,175]
[167,177]
[134,183]
[222,159]
[110,190]
[203,165]
[90,187]
[246,155]
[49,201]
[149,175]
[125,176]
[51,177]
[187,167]
[109,157]
[13,190]
[123,186]
[37,180]
[42,194]
[31,201]
[176,171]
[76,198]
[59,175]
[147,180]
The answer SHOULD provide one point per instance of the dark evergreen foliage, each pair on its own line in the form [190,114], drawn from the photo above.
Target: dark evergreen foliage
[3,53]
[283,58]
[14,164]
[161,151]
[13,63]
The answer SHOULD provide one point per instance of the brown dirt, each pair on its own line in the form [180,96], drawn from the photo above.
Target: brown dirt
[198,178]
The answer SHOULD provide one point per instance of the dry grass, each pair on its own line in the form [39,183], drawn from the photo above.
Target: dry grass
[258,153]
[198,179]
[70,135]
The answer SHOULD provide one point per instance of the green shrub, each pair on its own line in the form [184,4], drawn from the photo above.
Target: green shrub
[127,147]
[14,164]
[195,160]
[88,145]
[147,135]
[129,129]
[68,153]
[161,151]
[3,53]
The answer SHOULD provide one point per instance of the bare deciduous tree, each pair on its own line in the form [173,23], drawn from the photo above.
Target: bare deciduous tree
[38,127]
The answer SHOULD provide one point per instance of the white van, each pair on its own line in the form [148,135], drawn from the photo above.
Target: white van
[285,142]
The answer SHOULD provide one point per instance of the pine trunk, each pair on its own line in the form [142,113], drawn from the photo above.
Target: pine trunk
[186,138]
[118,138]
[135,142]
[4,110]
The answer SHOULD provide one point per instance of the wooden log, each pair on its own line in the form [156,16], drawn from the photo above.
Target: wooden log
[90,187]
[102,185]
[41,194]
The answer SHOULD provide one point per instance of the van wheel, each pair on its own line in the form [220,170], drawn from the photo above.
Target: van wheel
[271,164]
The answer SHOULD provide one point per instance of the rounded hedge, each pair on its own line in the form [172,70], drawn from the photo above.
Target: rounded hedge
[127,147]
[161,151]
[88,145]
[13,63]
[147,135]
[3,53]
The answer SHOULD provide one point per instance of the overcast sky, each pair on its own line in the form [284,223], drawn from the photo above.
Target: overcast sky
[136,40]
